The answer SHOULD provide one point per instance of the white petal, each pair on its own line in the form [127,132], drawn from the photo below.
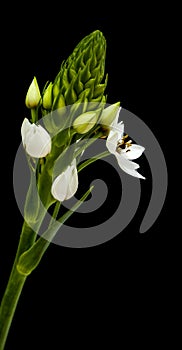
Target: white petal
[46,140]
[115,121]
[66,184]
[111,142]
[24,129]
[59,187]
[134,152]
[36,139]
[37,145]
[127,166]
[73,183]
[119,129]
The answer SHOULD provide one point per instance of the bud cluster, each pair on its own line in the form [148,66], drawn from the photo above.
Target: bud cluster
[80,76]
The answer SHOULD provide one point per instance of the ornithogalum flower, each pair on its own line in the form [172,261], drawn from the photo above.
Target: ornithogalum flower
[35,139]
[123,150]
[65,185]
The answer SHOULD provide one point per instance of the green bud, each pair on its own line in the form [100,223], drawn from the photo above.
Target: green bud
[80,78]
[47,97]
[56,89]
[109,114]
[33,96]
[83,71]
[59,102]
[85,122]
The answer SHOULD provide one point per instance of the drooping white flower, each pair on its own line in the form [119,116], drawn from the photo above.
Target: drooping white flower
[124,151]
[65,185]
[35,139]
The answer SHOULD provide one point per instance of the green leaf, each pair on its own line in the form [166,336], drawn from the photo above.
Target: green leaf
[31,258]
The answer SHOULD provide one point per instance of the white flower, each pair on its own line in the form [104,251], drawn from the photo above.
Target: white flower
[65,185]
[36,140]
[124,151]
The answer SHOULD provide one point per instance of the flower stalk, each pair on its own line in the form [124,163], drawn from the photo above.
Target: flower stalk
[78,82]
[74,116]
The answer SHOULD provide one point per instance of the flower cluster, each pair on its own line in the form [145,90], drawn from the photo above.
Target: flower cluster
[37,143]
[79,86]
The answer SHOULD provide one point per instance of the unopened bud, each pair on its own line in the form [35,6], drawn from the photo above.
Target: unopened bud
[109,114]
[85,122]
[33,96]
[65,185]
[35,139]
[47,97]
[59,102]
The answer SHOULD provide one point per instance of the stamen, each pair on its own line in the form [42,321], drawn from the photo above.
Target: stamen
[122,145]
[128,143]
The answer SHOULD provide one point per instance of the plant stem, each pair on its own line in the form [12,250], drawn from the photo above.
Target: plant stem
[27,239]
[9,304]
[55,213]
[92,160]
[17,279]
[14,286]
[34,115]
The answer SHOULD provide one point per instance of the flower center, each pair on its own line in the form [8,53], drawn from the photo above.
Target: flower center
[123,145]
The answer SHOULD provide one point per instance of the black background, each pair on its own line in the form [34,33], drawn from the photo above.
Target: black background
[72,286]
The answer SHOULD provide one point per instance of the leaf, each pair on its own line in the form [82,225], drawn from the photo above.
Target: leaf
[30,259]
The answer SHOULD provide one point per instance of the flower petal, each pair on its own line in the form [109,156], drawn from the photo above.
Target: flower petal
[133,152]
[46,140]
[127,166]
[111,142]
[73,183]
[59,187]
[66,184]
[118,128]
[37,145]
[36,139]
[24,129]
[115,121]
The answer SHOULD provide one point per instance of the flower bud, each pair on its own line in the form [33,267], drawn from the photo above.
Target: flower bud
[65,185]
[33,95]
[36,140]
[85,122]
[109,114]
[47,97]
[56,88]
[59,102]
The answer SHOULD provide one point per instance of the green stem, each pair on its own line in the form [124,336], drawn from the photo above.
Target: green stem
[34,115]
[55,213]
[14,286]
[27,246]
[9,304]
[17,277]
[92,160]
